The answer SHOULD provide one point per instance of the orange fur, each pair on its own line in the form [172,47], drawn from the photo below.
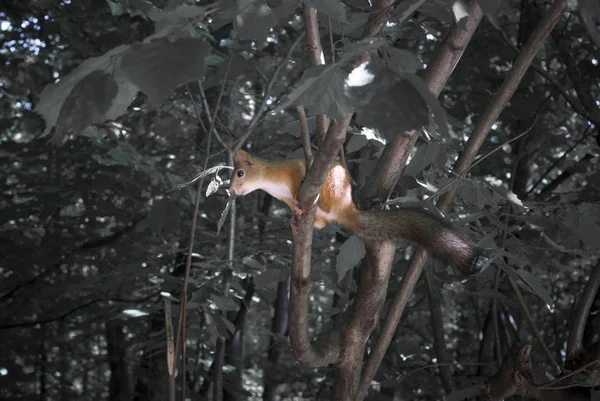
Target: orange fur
[282,179]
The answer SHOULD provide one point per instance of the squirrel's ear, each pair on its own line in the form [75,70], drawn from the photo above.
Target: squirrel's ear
[242,157]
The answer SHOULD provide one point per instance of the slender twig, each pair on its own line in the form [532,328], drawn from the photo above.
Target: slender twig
[573,101]
[497,148]
[586,134]
[331,44]
[315,53]
[547,386]
[188,264]
[532,323]
[308,156]
[504,93]
[583,308]
[259,113]
[199,115]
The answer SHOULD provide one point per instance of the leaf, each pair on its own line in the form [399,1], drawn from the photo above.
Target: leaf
[334,9]
[426,154]
[441,10]
[356,142]
[487,293]
[213,60]
[589,227]
[115,8]
[536,286]
[512,273]
[464,393]
[584,223]
[406,9]
[459,8]
[589,11]
[87,103]
[435,107]
[54,95]
[224,304]
[253,263]
[401,60]
[490,7]
[351,50]
[354,27]
[182,11]
[321,91]
[125,95]
[254,20]
[268,277]
[350,254]
[212,170]
[141,8]
[293,127]
[160,66]
[224,214]
[227,323]
[287,8]
[213,186]
[389,104]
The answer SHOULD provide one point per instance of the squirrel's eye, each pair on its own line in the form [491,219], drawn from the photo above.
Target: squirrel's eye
[240,173]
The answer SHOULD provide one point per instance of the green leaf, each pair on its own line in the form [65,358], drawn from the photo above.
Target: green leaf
[227,323]
[115,8]
[160,66]
[536,286]
[351,253]
[254,20]
[321,91]
[389,103]
[53,97]
[589,11]
[439,114]
[224,304]
[401,60]
[334,9]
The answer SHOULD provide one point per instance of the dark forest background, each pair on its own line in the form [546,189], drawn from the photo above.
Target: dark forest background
[107,108]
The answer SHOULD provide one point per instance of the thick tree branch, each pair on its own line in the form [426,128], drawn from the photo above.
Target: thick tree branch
[325,350]
[315,51]
[327,347]
[394,157]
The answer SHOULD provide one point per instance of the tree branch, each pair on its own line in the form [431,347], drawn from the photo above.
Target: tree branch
[315,51]
[327,346]
[388,169]
[90,244]
[584,306]
[475,141]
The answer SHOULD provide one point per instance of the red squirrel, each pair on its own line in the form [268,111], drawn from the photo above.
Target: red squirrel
[282,179]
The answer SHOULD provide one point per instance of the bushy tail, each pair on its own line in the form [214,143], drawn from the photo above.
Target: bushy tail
[422,228]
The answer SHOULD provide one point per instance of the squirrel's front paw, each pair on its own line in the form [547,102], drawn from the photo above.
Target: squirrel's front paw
[298,210]
[294,224]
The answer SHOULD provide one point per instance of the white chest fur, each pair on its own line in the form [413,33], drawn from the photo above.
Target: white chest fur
[283,193]
[279,191]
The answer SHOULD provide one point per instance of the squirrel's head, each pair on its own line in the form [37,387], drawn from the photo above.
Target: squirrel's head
[246,174]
